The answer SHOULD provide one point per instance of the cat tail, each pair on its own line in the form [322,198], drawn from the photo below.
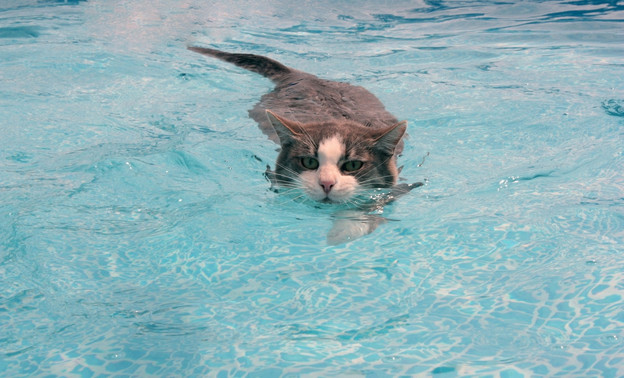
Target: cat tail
[262,65]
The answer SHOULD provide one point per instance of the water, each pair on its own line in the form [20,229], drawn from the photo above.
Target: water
[138,236]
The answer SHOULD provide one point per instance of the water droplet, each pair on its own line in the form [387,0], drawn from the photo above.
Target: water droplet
[392,359]
[610,339]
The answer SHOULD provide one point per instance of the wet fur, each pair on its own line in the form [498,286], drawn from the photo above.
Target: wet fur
[304,110]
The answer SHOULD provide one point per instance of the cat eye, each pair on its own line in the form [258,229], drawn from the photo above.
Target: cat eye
[352,165]
[309,162]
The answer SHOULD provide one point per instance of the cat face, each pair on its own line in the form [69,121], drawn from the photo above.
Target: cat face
[335,161]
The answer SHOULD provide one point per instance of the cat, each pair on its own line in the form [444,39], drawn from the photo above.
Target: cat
[337,140]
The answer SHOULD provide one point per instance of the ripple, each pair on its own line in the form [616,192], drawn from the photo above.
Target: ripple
[614,107]
[20,32]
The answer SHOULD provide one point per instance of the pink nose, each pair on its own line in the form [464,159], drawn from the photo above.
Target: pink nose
[327,186]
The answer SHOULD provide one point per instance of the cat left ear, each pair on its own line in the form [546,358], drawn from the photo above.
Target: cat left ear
[284,128]
[391,136]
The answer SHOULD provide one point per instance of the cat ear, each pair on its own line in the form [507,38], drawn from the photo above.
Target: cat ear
[391,136]
[284,128]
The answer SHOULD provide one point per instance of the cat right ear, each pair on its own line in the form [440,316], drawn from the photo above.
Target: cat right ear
[285,129]
[390,137]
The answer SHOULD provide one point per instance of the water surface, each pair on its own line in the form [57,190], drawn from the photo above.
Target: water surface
[138,235]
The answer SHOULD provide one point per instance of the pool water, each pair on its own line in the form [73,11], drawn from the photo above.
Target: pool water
[139,237]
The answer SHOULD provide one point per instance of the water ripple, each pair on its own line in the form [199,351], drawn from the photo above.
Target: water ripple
[614,107]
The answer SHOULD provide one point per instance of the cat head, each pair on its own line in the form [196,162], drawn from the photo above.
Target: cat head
[337,160]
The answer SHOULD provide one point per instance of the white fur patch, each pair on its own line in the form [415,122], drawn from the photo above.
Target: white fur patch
[330,155]
[330,151]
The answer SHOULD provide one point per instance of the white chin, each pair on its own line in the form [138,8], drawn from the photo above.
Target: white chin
[332,197]
[342,198]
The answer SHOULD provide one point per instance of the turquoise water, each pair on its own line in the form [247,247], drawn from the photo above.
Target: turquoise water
[138,236]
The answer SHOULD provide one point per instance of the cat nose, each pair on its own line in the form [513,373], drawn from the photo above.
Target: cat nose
[327,186]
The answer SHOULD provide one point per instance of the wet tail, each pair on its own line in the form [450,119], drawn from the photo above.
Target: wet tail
[256,63]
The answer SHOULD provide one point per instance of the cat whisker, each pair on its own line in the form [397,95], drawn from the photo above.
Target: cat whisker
[301,198]
[375,182]
[381,163]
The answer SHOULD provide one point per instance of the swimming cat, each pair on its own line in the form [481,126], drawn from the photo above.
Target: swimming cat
[337,140]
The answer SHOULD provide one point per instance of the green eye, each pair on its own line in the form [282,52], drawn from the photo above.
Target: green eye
[309,163]
[352,165]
